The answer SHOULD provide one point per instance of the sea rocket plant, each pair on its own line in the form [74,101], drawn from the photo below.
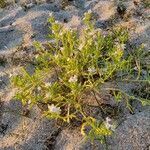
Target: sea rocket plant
[82,64]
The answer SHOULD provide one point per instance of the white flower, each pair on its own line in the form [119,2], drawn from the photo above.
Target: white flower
[109,125]
[81,46]
[39,88]
[91,70]
[108,119]
[56,56]
[61,33]
[36,56]
[13,73]
[56,21]
[116,52]
[89,11]
[123,46]
[120,46]
[54,109]
[10,75]
[135,68]
[48,84]
[48,95]
[73,79]
[29,102]
[50,14]
[53,32]
[61,49]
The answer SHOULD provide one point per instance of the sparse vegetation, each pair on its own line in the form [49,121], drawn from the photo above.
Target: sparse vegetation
[78,63]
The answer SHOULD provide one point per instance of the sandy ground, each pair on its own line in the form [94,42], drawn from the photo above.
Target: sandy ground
[19,27]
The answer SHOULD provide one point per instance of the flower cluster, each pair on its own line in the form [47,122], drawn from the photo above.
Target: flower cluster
[73,79]
[109,124]
[52,108]
[92,70]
